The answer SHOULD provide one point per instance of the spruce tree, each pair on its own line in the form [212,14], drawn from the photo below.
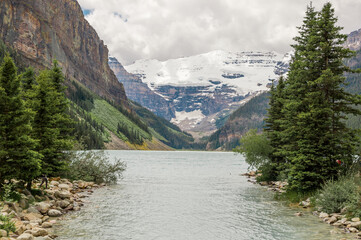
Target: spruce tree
[52,124]
[316,103]
[273,129]
[17,156]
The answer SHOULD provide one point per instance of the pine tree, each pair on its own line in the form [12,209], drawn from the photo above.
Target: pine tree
[316,103]
[52,124]
[17,156]
[273,129]
[63,120]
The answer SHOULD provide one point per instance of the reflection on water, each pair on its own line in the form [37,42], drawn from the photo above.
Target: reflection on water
[186,196]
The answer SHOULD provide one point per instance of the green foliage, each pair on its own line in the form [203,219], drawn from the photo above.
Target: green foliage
[52,124]
[249,116]
[9,193]
[131,116]
[306,120]
[18,158]
[172,134]
[257,150]
[255,147]
[94,166]
[81,96]
[87,132]
[7,224]
[274,128]
[109,116]
[335,195]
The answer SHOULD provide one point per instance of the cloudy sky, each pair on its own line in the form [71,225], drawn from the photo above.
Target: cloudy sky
[164,29]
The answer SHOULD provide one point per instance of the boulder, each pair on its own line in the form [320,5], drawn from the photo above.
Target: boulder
[64,186]
[25,236]
[63,203]
[3,233]
[332,220]
[32,216]
[39,232]
[54,183]
[82,184]
[33,209]
[20,227]
[54,213]
[23,203]
[298,214]
[355,219]
[14,206]
[43,207]
[62,194]
[47,225]
[356,224]
[38,221]
[353,230]
[323,215]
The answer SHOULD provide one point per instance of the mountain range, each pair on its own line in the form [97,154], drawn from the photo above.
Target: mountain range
[39,31]
[252,113]
[150,104]
[196,92]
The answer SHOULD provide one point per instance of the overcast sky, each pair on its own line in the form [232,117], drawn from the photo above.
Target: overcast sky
[164,29]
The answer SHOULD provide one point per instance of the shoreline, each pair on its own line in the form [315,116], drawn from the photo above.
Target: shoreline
[35,216]
[339,221]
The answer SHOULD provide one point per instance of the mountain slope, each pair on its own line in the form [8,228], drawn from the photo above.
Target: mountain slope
[42,30]
[200,89]
[252,113]
[248,116]
[140,92]
[38,31]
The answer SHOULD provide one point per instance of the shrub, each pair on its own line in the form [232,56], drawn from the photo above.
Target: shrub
[94,166]
[6,224]
[256,148]
[335,195]
[9,193]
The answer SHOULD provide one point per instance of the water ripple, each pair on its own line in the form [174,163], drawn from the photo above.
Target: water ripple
[187,196]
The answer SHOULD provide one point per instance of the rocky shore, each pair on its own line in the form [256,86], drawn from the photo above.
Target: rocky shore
[35,214]
[340,221]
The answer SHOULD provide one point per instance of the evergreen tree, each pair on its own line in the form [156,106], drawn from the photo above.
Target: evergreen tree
[61,110]
[273,129]
[52,124]
[17,156]
[314,132]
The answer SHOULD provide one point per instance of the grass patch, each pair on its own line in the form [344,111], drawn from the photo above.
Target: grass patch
[109,116]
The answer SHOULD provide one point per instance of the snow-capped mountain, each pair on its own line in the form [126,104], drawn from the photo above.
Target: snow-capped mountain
[202,88]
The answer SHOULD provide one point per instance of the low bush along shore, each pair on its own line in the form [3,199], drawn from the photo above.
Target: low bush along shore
[33,216]
[337,203]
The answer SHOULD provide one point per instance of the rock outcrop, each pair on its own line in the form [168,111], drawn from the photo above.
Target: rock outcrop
[203,88]
[354,40]
[140,92]
[43,30]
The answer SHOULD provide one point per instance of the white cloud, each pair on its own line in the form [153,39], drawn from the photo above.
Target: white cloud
[163,29]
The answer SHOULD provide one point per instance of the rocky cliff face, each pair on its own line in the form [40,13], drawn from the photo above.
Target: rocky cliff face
[43,30]
[140,92]
[354,40]
[201,89]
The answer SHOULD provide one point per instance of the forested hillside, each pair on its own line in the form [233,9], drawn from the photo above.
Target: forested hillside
[227,137]
[102,116]
[248,116]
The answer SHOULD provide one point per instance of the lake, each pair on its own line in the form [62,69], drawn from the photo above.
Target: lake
[187,196]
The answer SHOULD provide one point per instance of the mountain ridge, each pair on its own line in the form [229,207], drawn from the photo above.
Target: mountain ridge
[200,89]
